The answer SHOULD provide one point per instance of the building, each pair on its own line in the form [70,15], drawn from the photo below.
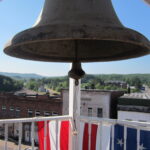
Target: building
[24,92]
[117,83]
[95,103]
[29,106]
[12,106]
[134,106]
[42,89]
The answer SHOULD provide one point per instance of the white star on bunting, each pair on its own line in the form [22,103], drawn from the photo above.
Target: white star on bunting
[141,147]
[120,142]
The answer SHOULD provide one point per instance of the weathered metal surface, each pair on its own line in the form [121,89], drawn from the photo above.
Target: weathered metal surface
[76,71]
[78,30]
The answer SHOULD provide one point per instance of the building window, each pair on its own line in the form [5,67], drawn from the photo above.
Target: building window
[17,112]
[54,113]
[89,112]
[46,113]
[129,119]
[4,108]
[12,112]
[11,108]
[30,113]
[99,112]
[37,113]
[142,120]
[17,132]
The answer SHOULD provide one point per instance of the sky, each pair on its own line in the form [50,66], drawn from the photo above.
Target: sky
[18,15]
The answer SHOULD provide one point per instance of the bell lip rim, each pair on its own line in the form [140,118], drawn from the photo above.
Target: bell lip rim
[65,60]
[147,45]
[91,60]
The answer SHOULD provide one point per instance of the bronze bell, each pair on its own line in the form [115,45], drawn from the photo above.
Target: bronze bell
[78,31]
[147,1]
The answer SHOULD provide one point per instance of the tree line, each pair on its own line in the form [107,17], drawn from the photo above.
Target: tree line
[92,82]
[9,85]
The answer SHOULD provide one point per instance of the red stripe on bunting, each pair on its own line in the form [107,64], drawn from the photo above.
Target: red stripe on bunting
[64,135]
[41,136]
[85,137]
[48,138]
[93,136]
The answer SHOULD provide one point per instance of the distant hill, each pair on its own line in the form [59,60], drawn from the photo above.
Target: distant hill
[20,76]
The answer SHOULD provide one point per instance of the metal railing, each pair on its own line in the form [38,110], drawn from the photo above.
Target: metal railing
[101,122]
[88,120]
[32,121]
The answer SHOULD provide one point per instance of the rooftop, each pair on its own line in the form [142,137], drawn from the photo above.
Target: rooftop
[135,99]
[137,96]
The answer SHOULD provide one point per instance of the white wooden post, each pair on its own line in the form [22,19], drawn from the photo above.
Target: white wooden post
[6,136]
[32,134]
[74,98]
[74,110]
[45,135]
[20,136]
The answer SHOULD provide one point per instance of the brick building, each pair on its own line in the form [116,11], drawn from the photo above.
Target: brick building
[12,106]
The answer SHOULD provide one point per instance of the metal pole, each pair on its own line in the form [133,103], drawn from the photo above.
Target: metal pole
[74,110]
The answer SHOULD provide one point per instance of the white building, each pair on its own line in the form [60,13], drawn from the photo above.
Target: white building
[134,107]
[95,103]
[42,89]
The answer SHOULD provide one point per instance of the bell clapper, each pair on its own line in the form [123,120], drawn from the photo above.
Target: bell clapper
[76,72]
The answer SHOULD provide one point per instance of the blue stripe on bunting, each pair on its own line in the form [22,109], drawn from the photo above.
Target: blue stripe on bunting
[131,141]
[144,140]
[118,137]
